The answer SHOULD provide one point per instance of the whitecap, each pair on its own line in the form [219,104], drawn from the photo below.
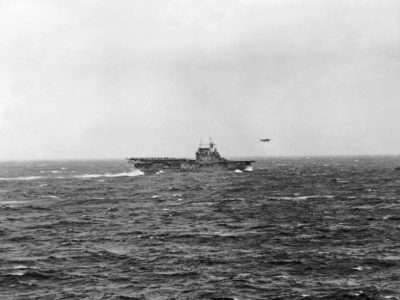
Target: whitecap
[52,196]
[20,178]
[249,169]
[390,297]
[238,171]
[303,197]
[391,257]
[17,273]
[123,174]
[83,176]
[20,267]
[12,203]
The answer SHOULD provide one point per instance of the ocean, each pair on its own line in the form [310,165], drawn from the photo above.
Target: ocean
[294,228]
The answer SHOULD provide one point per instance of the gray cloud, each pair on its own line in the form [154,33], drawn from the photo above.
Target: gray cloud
[82,79]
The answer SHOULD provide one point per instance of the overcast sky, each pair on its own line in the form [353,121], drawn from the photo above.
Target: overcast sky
[111,79]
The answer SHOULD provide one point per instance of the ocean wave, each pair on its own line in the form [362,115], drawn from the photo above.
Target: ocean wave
[21,178]
[123,174]
[303,197]
[33,274]
[12,202]
[270,234]
[82,176]
[249,169]
[51,196]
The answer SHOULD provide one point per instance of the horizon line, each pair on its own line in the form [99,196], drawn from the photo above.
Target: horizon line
[229,157]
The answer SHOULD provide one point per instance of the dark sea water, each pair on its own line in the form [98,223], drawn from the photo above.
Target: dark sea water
[317,228]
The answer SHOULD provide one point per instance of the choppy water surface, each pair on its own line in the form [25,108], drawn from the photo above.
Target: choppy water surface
[326,228]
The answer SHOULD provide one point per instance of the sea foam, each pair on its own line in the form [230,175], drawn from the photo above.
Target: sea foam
[21,178]
[82,176]
[123,174]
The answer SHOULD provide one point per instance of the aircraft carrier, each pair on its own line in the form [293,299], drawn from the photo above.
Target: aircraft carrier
[207,159]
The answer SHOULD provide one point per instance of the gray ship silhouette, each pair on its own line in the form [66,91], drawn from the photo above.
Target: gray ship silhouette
[207,159]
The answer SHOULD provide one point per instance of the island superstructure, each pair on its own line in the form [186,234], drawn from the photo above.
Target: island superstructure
[207,159]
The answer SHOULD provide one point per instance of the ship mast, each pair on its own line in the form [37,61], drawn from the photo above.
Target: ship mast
[211,143]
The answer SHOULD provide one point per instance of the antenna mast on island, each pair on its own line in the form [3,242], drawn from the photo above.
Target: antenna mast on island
[211,143]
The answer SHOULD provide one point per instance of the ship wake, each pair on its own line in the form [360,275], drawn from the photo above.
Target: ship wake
[133,173]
